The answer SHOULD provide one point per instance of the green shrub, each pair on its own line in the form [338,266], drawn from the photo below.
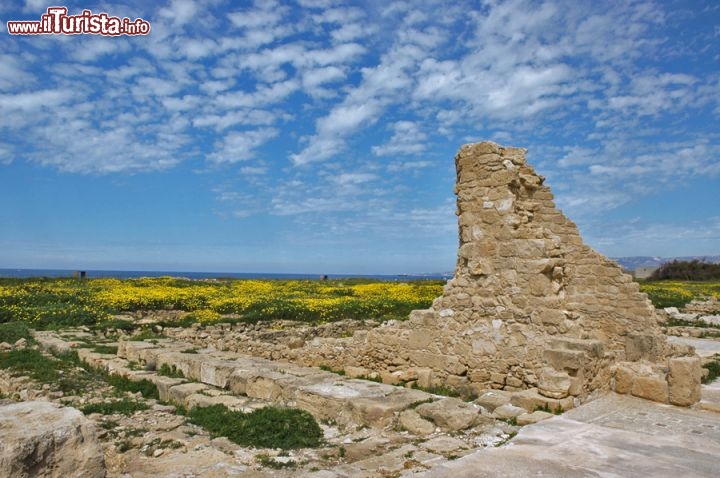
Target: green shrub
[694,270]
[125,406]
[713,369]
[270,427]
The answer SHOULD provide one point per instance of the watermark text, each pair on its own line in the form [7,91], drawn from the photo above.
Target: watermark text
[57,22]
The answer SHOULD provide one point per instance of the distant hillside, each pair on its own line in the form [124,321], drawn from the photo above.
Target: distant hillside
[633,262]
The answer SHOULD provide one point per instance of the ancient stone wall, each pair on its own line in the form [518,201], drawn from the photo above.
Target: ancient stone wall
[530,305]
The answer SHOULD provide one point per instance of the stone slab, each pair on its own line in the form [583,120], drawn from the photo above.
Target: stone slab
[615,436]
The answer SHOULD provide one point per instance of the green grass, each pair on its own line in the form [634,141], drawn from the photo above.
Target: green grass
[438,390]
[270,462]
[68,373]
[713,371]
[58,372]
[146,335]
[123,384]
[170,371]
[270,427]
[11,332]
[125,406]
[105,349]
[327,368]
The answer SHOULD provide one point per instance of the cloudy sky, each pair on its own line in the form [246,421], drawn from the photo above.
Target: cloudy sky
[318,135]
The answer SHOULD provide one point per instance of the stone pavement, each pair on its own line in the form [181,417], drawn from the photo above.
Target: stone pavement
[703,347]
[614,436]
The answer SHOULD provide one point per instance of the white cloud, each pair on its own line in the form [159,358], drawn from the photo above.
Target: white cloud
[397,166]
[35,6]
[13,73]
[94,47]
[195,49]
[314,78]
[240,145]
[353,178]
[33,102]
[180,12]
[406,139]
[6,154]
[237,117]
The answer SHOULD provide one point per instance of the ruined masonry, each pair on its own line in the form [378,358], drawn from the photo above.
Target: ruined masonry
[530,307]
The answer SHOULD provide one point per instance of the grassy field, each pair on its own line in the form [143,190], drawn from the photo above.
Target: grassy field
[678,293]
[48,303]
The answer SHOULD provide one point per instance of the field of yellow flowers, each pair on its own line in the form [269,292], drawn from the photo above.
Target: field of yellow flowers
[678,293]
[64,302]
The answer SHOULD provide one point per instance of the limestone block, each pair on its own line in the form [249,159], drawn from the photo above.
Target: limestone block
[216,372]
[554,384]
[650,387]
[531,400]
[508,411]
[178,393]
[562,359]
[198,400]
[390,378]
[411,421]
[164,384]
[479,375]
[444,444]
[188,364]
[41,439]
[263,387]
[131,350]
[491,399]
[451,414]
[425,377]
[684,380]
[534,417]
[356,372]
[238,379]
[642,347]
[419,338]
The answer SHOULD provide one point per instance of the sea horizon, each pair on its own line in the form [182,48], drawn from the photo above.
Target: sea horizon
[23,273]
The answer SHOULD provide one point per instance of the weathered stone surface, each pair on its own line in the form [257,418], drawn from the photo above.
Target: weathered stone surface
[444,444]
[531,400]
[450,413]
[623,379]
[491,399]
[508,411]
[554,384]
[684,380]
[652,387]
[178,393]
[40,439]
[164,384]
[411,421]
[534,417]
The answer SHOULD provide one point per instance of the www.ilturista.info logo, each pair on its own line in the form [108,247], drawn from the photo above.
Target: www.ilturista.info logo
[57,22]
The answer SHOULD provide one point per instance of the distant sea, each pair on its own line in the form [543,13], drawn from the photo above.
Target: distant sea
[24,273]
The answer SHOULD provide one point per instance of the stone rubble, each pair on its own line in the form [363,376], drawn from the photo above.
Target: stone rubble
[41,439]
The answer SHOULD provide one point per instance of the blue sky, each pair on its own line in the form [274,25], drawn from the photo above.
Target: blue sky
[318,135]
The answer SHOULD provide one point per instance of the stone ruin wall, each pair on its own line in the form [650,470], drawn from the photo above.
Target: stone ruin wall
[530,308]
[530,305]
